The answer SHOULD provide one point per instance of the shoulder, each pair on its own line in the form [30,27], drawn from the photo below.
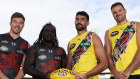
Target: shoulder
[23,40]
[3,36]
[61,48]
[73,38]
[138,26]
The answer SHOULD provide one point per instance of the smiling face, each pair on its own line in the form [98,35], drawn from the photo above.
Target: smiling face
[81,22]
[119,13]
[17,25]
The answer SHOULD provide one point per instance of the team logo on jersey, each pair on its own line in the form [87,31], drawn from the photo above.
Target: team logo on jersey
[42,57]
[4,48]
[72,46]
[114,33]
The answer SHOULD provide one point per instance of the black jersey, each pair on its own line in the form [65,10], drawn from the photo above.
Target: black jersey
[11,54]
[49,59]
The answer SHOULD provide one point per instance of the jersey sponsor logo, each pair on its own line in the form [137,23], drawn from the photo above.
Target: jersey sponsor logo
[85,44]
[42,50]
[4,48]
[20,51]
[62,73]
[42,57]
[114,33]
[4,41]
[57,58]
[72,46]
[129,30]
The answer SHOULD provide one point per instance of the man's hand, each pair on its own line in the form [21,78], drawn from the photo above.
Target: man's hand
[79,75]
[120,75]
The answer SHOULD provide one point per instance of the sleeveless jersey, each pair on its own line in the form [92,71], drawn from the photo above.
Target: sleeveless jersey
[11,54]
[49,59]
[88,60]
[129,53]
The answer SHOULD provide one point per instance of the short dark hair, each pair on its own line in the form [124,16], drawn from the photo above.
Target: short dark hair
[83,13]
[116,4]
[17,15]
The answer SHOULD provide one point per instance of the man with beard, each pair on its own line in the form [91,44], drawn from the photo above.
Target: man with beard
[122,44]
[13,49]
[84,50]
[45,55]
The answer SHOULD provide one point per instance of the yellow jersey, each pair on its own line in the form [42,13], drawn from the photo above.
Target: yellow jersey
[88,60]
[130,51]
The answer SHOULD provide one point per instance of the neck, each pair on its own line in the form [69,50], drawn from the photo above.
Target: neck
[81,32]
[13,35]
[49,44]
[122,22]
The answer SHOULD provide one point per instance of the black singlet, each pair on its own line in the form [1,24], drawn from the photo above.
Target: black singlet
[11,54]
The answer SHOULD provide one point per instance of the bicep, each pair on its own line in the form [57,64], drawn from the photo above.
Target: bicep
[108,47]
[69,58]
[138,33]
[30,57]
[98,47]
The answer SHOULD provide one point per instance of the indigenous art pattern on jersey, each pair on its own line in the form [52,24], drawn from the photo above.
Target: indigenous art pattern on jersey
[123,41]
[81,49]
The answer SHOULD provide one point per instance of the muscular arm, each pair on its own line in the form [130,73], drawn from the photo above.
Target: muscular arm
[69,58]
[100,54]
[108,50]
[64,58]
[29,63]
[136,61]
[2,75]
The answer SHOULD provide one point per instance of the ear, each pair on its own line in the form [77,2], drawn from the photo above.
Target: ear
[125,11]
[88,23]
[10,23]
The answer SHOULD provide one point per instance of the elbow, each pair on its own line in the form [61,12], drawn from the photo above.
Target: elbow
[25,69]
[104,65]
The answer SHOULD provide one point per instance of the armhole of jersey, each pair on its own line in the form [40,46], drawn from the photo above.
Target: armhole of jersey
[136,25]
[92,38]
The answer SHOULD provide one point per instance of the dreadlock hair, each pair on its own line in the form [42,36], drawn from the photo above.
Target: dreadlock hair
[40,39]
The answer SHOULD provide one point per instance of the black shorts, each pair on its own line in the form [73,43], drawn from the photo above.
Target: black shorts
[131,77]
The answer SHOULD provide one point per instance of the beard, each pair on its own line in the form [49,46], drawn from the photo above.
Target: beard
[80,28]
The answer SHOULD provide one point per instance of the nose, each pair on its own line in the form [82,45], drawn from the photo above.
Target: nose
[117,13]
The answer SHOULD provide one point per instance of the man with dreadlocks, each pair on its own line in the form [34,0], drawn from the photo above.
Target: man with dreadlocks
[45,55]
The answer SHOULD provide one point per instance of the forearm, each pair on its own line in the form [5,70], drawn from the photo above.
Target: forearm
[2,75]
[98,69]
[20,74]
[35,73]
[111,66]
[134,64]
